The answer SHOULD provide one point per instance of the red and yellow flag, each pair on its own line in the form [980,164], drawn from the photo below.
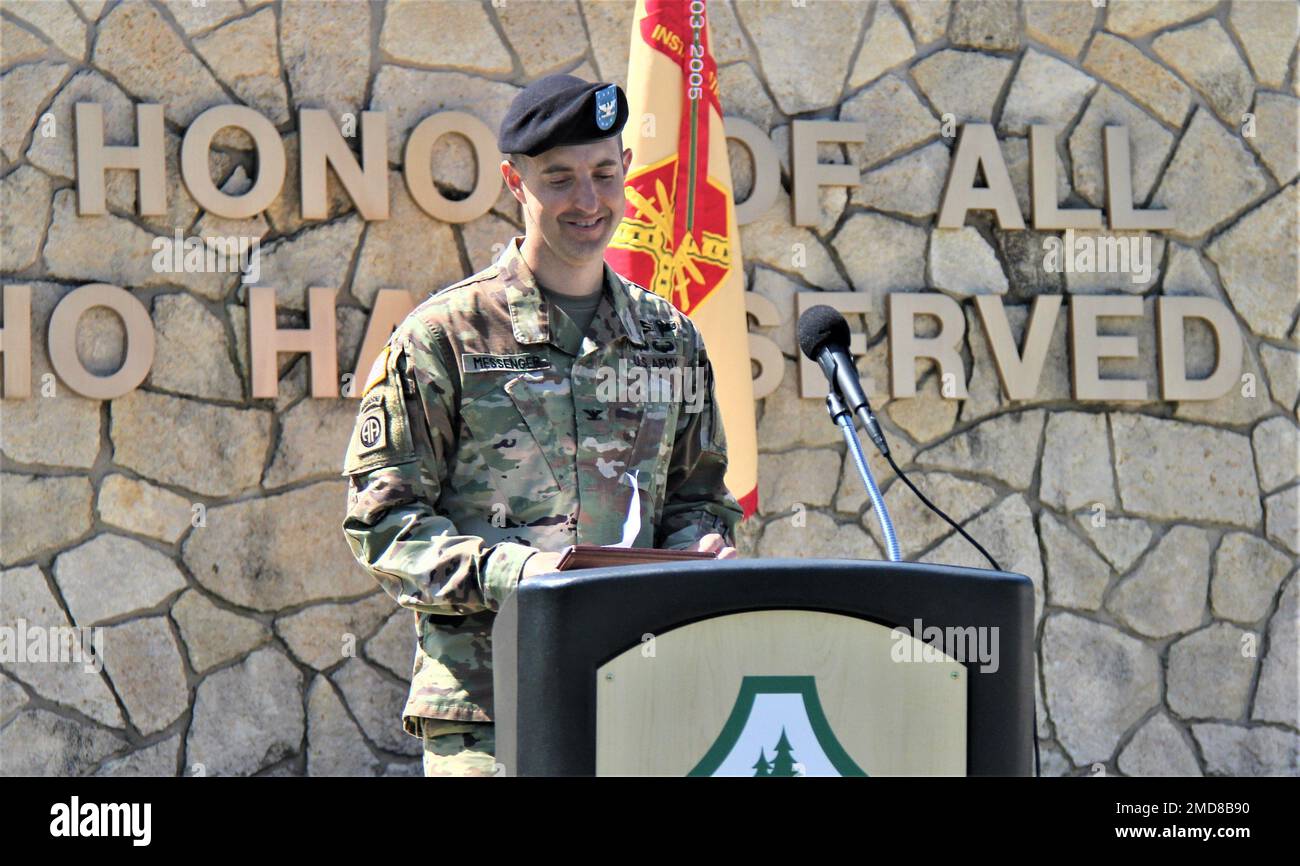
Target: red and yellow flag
[678,236]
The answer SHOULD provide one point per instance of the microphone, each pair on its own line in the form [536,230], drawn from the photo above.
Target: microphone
[824,338]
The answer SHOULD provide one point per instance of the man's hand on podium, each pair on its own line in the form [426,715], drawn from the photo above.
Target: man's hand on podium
[540,563]
[712,543]
[543,562]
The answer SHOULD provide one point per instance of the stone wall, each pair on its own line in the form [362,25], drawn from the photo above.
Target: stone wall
[1161,537]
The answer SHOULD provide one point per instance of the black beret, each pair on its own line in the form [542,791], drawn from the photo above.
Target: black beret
[560,110]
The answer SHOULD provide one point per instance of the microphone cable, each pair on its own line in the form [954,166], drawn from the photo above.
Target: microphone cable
[1038,767]
[937,510]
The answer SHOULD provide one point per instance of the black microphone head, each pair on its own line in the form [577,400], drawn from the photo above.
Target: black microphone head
[821,326]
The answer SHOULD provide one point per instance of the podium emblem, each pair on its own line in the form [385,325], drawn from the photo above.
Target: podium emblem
[777,728]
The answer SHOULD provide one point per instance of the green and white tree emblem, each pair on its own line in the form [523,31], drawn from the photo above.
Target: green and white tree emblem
[783,715]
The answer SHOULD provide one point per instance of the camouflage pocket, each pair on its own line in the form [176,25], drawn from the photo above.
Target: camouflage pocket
[502,457]
[544,402]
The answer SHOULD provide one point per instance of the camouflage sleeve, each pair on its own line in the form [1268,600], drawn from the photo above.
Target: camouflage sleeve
[396,464]
[697,501]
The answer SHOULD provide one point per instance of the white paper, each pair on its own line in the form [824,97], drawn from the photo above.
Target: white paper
[632,523]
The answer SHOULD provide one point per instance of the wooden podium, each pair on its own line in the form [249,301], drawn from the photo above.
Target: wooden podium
[774,667]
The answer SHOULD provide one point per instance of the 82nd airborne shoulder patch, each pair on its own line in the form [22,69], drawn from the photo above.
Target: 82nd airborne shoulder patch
[381,434]
[371,434]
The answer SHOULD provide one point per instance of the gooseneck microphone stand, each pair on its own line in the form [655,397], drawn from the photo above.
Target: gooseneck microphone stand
[840,415]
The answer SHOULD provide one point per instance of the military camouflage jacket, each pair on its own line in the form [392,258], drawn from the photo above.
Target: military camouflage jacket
[489,428]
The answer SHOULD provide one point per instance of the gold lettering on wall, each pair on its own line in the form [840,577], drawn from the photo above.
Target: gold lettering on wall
[767,169]
[762,351]
[1119,188]
[808,175]
[1088,347]
[977,148]
[270,162]
[266,341]
[1048,214]
[943,348]
[1019,368]
[145,159]
[419,171]
[1019,371]
[1170,316]
[62,341]
[16,341]
[321,142]
[365,179]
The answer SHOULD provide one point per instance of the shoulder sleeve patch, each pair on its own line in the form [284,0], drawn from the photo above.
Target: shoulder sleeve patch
[382,433]
[378,371]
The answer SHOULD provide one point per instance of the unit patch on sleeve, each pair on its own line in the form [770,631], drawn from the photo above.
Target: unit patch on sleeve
[371,432]
[378,371]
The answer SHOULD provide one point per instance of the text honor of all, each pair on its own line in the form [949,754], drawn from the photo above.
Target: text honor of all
[365,180]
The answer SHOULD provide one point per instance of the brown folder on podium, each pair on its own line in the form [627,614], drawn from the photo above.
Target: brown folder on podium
[578,556]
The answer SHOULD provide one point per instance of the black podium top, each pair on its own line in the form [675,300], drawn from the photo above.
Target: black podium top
[556,631]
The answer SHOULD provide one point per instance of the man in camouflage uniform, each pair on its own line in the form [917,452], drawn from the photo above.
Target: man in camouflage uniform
[490,436]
